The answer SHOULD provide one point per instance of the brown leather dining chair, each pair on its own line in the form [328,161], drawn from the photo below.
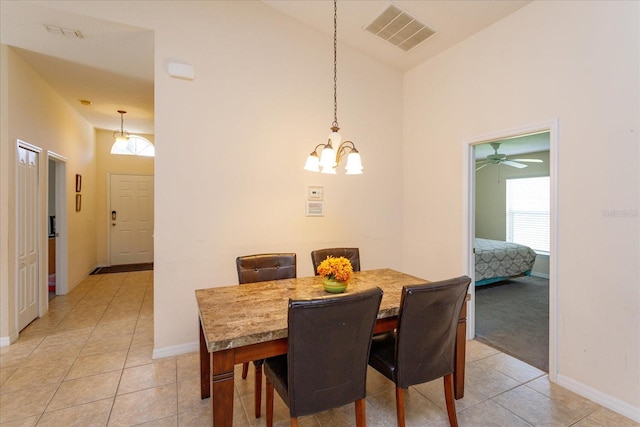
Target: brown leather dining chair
[422,347]
[352,254]
[260,268]
[328,348]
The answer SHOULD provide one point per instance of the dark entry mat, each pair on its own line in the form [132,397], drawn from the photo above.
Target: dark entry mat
[123,268]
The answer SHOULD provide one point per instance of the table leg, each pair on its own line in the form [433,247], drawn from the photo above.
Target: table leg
[205,366]
[222,387]
[460,354]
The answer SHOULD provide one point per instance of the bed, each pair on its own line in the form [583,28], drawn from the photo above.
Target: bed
[497,261]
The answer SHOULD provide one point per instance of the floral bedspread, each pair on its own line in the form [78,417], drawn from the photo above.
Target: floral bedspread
[497,259]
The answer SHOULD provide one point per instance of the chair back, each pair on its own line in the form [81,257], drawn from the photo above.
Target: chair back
[352,254]
[426,331]
[329,343]
[262,267]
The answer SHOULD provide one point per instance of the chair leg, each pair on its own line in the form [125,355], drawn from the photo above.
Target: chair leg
[294,422]
[448,397]
[400,406]
[269,403]
[258,389]
[245,370]
[361,415]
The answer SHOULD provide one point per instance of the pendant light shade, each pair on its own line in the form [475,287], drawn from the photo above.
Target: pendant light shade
[354,163]
[327,157]
[313,163]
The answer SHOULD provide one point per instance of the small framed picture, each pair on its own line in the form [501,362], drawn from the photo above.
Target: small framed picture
[78,202]
[78,183]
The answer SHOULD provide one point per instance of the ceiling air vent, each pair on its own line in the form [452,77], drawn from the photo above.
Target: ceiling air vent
[399,28]
[67,32]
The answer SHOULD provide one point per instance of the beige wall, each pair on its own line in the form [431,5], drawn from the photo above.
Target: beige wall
[106,164]
[538,64]
[7,294]
[232,143]
[34,113]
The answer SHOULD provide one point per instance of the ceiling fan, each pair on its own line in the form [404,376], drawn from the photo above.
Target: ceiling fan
[501,159]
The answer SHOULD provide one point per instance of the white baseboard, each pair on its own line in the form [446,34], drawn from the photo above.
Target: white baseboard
[97,267]
[6,341]
[541,275]
[175,350]
[609,402]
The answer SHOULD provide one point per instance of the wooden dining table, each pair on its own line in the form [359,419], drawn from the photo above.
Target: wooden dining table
[249,322]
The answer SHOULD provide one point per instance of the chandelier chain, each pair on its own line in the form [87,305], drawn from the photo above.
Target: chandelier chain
[335,64]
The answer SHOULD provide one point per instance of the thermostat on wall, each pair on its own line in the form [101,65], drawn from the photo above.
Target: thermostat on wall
[314,208]
[315,193]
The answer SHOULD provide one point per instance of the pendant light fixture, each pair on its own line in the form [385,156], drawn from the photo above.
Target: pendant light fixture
[120,135]
[328,158]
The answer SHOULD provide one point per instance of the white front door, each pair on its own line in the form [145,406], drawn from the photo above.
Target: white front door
[28,237]
[131,219]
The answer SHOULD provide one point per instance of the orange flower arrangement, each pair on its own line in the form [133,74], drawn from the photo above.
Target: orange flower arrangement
[339,268]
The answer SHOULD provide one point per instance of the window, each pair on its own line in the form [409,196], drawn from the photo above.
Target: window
[528,212]
[134,146]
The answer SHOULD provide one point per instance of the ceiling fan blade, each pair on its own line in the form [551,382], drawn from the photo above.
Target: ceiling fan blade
[514,164]
[481,166]
[527,160]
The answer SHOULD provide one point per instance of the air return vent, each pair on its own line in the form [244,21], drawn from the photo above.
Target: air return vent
[67,32]
[399,28]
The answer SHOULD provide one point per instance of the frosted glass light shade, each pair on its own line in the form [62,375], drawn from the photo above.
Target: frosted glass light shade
[119,145]
[330,170]
[328,157]
[313,163]
[134,145]
[354,164]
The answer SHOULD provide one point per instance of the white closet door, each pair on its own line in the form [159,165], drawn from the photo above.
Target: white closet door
[27,223]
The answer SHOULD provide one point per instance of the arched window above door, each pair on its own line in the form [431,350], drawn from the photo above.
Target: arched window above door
[134,146]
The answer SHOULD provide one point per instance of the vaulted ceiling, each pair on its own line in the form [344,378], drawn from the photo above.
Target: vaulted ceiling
[112,65]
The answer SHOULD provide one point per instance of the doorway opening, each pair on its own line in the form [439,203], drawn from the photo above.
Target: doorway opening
[492,161]
[51,228]
[57,225]
[512,247]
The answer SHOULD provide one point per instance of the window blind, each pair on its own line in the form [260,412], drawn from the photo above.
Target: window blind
[528,212]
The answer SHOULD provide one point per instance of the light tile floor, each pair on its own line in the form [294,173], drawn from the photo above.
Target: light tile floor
[87,362]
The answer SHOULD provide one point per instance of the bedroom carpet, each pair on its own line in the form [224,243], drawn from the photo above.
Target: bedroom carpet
[126,268]
[513,317]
